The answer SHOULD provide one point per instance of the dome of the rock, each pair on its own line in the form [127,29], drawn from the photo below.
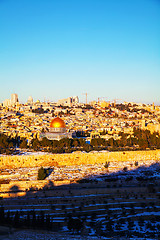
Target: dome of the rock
[57,123]
[57,130]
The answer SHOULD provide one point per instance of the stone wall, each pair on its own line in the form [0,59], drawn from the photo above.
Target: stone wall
[116,159]
[49,160]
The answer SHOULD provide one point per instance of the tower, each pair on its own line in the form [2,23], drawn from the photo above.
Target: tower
[14,98]
[30,100]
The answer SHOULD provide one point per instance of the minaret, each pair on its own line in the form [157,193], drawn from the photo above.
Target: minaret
[153,107]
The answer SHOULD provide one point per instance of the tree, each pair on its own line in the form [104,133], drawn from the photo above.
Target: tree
[46,142]
[125,169]
[136,164]
[42,173]
[16,221]
[111,142]
[107,165]
[74,224]
[2,216]
[123,140]
[35,144]
[23,143]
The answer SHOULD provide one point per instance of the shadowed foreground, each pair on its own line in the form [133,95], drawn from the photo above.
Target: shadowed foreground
[119,205]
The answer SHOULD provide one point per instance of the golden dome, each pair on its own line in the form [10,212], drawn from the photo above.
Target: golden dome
[57,123]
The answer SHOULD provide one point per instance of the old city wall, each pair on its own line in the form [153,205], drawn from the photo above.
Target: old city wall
[51,160]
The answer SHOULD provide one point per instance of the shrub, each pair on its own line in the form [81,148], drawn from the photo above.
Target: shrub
[136,164]
[42,173]
[107,165]
[125,169]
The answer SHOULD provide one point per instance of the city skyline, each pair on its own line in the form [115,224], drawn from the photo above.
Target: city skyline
[58,49]
[13,100]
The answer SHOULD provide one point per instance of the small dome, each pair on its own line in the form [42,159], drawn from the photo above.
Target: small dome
[57,123]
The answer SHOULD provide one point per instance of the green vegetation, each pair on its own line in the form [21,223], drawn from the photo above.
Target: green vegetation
[7,144]
[42,173]
[33,220]
[140,140]
[107,165]
[23,143]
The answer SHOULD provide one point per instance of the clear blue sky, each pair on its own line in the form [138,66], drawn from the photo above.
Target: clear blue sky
[53,49]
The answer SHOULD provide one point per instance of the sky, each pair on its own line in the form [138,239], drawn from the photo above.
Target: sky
[53,49]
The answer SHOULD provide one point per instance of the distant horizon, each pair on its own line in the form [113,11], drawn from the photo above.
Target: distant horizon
[80,100]
[55,49]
